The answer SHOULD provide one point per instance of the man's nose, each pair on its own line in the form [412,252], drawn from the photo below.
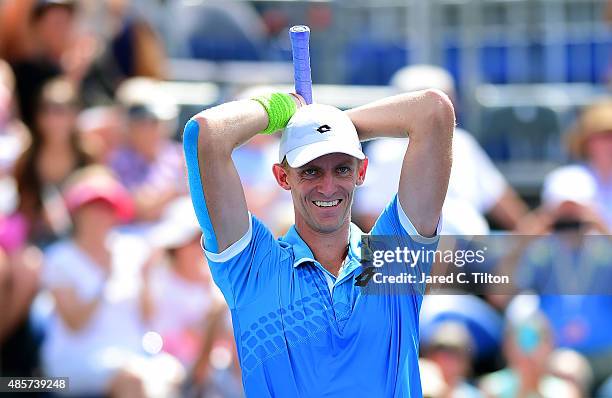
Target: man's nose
[327,185]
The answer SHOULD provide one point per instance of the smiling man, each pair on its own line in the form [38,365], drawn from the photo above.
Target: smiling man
[303,327]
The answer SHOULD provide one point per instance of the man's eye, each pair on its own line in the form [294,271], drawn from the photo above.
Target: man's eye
[310,172]
[343,170]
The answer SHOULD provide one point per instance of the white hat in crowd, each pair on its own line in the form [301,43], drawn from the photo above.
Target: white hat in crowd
[178,225]
[582,189]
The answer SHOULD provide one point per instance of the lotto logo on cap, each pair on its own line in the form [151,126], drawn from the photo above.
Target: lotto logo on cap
[316,130]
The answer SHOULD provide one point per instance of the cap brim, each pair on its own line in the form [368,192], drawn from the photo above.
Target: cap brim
[120,201]
[304,154]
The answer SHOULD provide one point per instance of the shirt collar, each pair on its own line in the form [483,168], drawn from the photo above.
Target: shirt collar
[303,253]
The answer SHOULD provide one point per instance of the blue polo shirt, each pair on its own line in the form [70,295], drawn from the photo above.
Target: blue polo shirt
[302,332]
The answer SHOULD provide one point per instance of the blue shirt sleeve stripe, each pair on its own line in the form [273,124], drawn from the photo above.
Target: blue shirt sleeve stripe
[190,146]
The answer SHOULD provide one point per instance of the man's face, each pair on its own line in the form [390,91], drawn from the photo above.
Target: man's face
[322,190]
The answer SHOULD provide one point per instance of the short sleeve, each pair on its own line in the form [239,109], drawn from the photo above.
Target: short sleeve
[248,268]
[399,232]
[394,221]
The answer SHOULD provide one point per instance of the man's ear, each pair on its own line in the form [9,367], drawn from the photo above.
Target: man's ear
[361,173]
[281,176]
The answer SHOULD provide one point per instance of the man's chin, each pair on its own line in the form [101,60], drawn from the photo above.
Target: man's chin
[327,226]
[328,229]
[326,222]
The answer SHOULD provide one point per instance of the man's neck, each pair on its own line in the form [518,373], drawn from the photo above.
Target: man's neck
[330,249]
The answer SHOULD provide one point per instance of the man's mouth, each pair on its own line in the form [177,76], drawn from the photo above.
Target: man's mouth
[331,203]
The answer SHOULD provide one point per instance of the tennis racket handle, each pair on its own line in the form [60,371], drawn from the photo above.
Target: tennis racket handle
[300,37]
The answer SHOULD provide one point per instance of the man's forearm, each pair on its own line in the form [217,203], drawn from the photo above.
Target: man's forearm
[232,124]
[409,114]
[428,118]
[214,184]
[229,125]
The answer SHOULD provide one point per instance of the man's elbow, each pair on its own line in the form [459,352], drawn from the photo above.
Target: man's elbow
[208,138]
[442,110]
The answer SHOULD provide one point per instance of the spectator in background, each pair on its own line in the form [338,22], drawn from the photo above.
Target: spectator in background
[590,141]
[182,288]
[54,153]
[432,379]
[570,269]
[14,136]
[150,164]
[15,32]
[527,347]
[102,130]
[98,281]
[52,33]
[451,348]
[132,49]
[574,368]
[476,187]
[190,314]
[605,391]
[19,263]
[19,279]
[137,49]
[218,31]
[484,323]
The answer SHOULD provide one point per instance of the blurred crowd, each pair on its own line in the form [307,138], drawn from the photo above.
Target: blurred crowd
[102,277]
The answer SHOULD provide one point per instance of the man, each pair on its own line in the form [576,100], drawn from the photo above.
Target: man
[302,326]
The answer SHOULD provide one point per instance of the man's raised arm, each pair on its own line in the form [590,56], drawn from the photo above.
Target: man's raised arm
[209,139]
[428,118]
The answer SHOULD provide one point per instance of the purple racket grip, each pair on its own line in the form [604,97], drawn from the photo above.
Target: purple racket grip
[300,36]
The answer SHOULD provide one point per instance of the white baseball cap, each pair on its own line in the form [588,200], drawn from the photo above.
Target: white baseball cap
[316,130]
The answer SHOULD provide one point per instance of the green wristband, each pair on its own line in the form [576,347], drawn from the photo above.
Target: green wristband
[280,107]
